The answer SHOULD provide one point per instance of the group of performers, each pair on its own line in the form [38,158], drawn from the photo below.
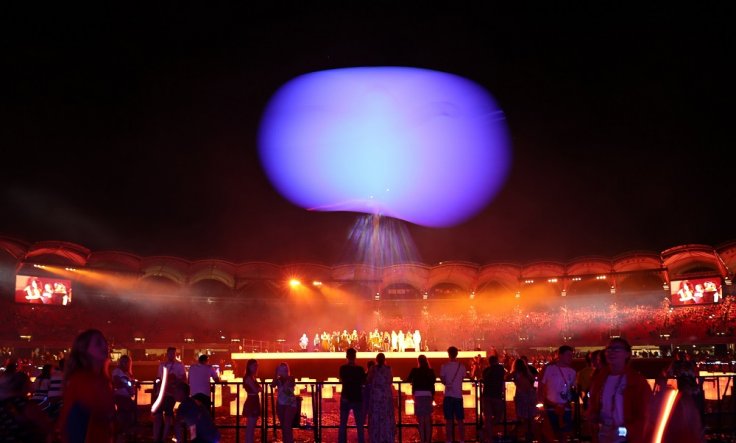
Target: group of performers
[371,341]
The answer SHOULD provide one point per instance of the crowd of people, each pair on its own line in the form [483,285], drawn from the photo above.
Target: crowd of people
[81,398]
[469,328]
[363,341]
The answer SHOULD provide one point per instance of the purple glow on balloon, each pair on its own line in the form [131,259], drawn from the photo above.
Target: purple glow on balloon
[424,146]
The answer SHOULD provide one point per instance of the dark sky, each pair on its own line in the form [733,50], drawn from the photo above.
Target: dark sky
[135,129]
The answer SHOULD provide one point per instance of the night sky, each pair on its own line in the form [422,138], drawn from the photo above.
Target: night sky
[135,129]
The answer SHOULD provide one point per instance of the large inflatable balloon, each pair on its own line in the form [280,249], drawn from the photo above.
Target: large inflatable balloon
[424,146]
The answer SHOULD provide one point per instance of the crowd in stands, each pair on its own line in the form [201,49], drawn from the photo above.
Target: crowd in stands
[469,327]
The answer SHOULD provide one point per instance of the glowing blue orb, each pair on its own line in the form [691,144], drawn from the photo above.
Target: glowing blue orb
[424,146]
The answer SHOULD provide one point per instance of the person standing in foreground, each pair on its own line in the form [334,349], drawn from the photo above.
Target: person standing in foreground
[88,412]
[286,403]
[422,381]
[451,375]
[192,416]
[352,378]
[252,405]
[381,419]
[199,380]
[494,397]
[556,392]
[619,398]
[163,416]
[124,385]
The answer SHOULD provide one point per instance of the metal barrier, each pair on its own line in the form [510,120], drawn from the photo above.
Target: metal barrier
[319,413]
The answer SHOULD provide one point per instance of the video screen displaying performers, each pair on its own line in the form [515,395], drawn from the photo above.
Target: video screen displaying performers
[42,290]
[696,291]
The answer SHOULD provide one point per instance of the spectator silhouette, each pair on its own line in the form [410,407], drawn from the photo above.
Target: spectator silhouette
[286,401]
[352,378]
[422,379]
[252,405]
[193,417]
[89,409]
[381,420]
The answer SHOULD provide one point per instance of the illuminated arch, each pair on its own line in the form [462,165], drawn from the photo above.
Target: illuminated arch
[172,268]
[218,270]
[590,266]
[505,274]
[410,274]
[542,270]
[58,253]
[690,259]
[461,274]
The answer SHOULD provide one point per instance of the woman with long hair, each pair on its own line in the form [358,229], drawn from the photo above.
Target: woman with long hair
[252,406]
[381,420]
[89,409]
[525,398]
[422,379]
[125,386]
[286,402]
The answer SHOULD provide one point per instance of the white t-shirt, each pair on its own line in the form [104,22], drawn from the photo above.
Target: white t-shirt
[199,378]
[176,371]
[558,379]
[452,374]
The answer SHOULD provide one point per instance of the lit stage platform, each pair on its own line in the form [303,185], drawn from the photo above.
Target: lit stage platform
[322,365]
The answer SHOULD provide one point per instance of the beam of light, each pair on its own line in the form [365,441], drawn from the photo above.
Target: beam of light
[160,398]
[380,241]
[670,397]
[428,147]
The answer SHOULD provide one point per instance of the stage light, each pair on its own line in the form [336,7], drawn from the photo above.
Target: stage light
[294,283]
[316,283]
[376,139]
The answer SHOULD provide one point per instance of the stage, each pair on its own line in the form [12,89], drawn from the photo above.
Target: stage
[323,365]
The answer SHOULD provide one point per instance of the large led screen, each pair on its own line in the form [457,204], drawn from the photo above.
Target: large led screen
[42,290]
[696,291]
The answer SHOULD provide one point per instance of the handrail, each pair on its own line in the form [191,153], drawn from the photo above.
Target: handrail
[721,414]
